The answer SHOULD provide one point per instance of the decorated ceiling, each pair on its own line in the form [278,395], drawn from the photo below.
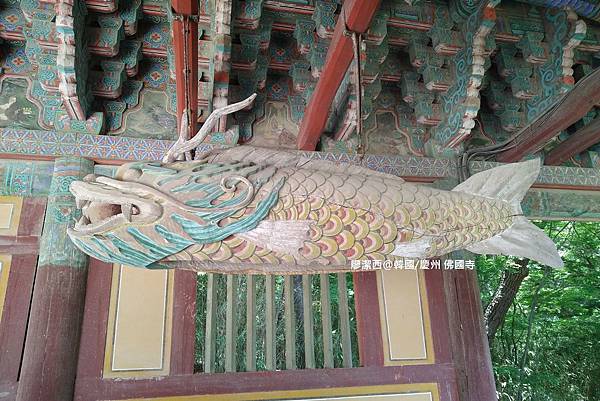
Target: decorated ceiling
[438,77]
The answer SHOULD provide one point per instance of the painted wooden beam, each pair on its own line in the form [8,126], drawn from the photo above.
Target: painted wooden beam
[576,143]
[357,15]
[185,45]
[572,108]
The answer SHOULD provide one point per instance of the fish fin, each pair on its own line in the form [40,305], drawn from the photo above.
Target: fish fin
[282,236]
[508,182]
[522,239]
[414,249]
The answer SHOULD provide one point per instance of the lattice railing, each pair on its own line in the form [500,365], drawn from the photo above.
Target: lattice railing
[250,323]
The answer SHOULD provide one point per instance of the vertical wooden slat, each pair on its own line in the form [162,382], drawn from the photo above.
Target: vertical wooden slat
[326,319]
[309,334]
[290,323]
[231,324]
[250,323]
[270,322]
[211,329]
[344,320]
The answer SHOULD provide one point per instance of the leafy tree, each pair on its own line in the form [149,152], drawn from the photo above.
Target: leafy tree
[545,342]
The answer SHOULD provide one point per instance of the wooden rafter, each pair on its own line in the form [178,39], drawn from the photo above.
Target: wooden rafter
[572,108]
[355,16]
[185,45]
[576,143]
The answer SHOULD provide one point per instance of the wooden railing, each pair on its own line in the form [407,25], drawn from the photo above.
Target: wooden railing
[250,323]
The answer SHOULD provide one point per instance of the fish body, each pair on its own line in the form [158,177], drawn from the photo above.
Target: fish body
[251,210]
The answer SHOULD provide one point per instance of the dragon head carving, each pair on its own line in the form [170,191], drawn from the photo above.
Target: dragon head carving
[150,211]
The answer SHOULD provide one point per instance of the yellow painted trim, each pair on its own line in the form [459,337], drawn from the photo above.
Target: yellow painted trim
[399,389]
[110,332]
[426,326]
[17,203]
[5,260]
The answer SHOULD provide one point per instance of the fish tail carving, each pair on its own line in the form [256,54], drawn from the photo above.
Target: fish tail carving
[510,183]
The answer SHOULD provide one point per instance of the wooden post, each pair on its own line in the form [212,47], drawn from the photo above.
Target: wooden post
[185,46]
[53,332]
[470,350]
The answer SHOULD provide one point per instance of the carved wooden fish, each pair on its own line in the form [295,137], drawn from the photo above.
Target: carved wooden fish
[252,210]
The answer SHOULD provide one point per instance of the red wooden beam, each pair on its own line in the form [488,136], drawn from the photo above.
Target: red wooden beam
[576,143]
[185,45]
[358,15]
[572,108]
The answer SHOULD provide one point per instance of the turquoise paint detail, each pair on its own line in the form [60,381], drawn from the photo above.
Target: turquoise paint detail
[203,234]
[135,247]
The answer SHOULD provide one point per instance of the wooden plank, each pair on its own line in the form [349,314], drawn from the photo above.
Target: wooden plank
[250,323]
[358,15]
[95,320]
[270,320]
[438,315]
[231,323]
[184,324]
[13,325]
[366,304]
[184,386]
[344,311]
[576,143]
[210,335]
[326,320]
[50,341]
[290,322]
[470,351]
[309,330]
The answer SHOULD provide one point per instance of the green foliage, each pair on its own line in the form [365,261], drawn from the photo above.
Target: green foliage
[548,348]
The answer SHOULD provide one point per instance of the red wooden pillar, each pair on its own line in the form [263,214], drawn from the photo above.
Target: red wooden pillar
[355,16]
[52,343]
[366,302]
[185,44]
[470,350]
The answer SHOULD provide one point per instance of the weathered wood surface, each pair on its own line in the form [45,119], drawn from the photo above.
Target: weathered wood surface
[575,105]
[270,321]
[250,323]
[358,15]
[576,143]
[370,340]
[210,327]
[14,316]
[326,321]
[309,327]
[185,48]
[50,353]
[231,324]
[344,328]
[290,322]
[470,351]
